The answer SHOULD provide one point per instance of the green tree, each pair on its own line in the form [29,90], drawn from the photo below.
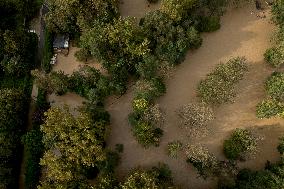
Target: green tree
[177,9]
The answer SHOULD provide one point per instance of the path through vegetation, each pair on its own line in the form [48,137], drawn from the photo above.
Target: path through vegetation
[242,34]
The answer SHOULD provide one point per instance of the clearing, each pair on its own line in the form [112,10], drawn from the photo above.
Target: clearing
[242,34]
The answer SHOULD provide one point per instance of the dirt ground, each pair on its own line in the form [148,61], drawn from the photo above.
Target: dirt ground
[69,64]
[242,34]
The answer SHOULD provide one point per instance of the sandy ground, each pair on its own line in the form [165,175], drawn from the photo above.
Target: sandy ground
[136,8]
[242,34]
[69,64]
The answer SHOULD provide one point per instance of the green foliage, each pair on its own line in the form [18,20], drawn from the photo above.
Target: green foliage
[196,115]
[173,148]
[219,86]
[149,89]
[240,145]
[152,1]
[205,163]
[11,127]
[269,108]
[58,82]
[275,86]
[47,51]
[177,9]
[146,134]
[119,148]
[278,12]
[33,150]
[157,177]
[65,137]
[74,15]
[280,147]
[209,24]
[83,55]
[275,56]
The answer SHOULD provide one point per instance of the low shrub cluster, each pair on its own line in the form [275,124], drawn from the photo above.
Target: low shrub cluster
[206,164]
[241,145]
[274,105]
[274,56]
[219,86]
[196,116]
[270,177]
[87,82]
[157,177]
[147,117]
[173,148]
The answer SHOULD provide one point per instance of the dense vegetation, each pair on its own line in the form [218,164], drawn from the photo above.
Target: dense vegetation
[17,57]
[240,145]
[219,86]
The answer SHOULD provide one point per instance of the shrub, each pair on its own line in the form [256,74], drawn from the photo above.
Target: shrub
[280,147]
[152,1]
[219,86]
[173,148]
[58,82]
[193,38]
[149,89]
[269,108]
[205,163]
[209,24]
[83,55]
[275,56]
[240,145]
[278,12]
[140,105]
[119,148]
[275,86]
[196,115]
[47,51]
[146,134]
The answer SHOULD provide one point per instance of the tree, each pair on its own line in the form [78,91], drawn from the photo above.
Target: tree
[278,12]
[66,17]
[269,108]
[157,177]
[195,116]
[275,86]
[177,9]
[219,85]
[240,145]
[205,163]
[173,148]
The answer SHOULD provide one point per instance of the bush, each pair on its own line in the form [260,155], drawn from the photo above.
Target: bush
[280,147]
[196,115]
[146,134]
[240,145]
[149,89]
[83,55]
[205,163]
[219,86]
[275,86]
[152,1]
[269,108]
[275,56]
[173,148]
[47,51]
[193,38]
[209,24]
[58,82]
